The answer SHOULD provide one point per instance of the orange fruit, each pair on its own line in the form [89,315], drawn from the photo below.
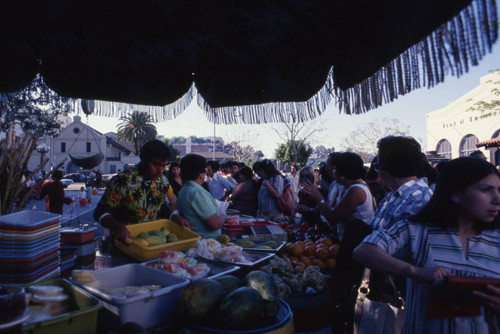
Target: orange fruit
[297,250]
[306,261]
[301,243]
[333,250]
[327,241]
[289,246]
[330,263]
[309,250]
[322,253]
[308,241]
[319,263]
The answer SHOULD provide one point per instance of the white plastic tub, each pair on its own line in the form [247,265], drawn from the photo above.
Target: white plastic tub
[150,309]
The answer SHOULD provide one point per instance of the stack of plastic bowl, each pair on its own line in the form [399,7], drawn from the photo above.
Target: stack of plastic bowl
[29,247]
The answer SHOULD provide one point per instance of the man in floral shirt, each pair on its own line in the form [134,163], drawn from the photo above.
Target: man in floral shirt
[138,195]
[399,163]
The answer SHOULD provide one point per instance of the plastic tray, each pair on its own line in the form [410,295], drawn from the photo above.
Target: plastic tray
[216,269]
[252,256]
[38,276]
[23,245]
[27,220]
[148,309]
[281,244]
[12,229]
[81,319]
[29,236]
[187,240]
[29,254]
[23,268]
[28,261]
[77,235]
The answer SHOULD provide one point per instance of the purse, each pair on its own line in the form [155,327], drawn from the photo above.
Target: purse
[377,317]
[285,201]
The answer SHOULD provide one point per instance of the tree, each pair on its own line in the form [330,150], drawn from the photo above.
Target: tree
[286,153]
[297,135]
[137,129]
[174,153]
[35,107]
[363,139]
[487,108]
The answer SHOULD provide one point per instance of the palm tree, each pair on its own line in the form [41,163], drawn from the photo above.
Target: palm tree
[137,129]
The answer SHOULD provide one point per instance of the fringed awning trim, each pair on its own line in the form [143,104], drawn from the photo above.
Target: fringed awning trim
[158,114]
[288,112]
[451,49]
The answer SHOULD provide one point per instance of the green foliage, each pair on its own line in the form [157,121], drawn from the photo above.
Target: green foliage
[174,153]
[487,108]
[137,129]
[35,107]
[298,155]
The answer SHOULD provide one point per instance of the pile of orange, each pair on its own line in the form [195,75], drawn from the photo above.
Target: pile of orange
[322,253]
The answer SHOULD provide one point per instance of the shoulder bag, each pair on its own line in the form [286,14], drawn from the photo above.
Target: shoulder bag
[285,200]
[377,317]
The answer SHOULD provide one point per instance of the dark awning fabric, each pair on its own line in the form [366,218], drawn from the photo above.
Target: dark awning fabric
[244,61]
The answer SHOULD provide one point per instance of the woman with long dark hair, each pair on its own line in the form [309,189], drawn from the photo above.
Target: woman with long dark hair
[457,233]
[174,177]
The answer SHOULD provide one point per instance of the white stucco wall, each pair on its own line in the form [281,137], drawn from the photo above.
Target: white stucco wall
[456,121]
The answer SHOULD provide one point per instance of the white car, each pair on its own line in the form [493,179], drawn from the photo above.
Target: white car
[67,182]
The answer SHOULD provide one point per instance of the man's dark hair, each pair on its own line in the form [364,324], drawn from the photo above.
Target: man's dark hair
[192,165]
[214,165]
[154,149]
[399,156]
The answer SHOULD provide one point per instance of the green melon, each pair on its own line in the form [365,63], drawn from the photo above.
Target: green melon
[200,299]
[240,308]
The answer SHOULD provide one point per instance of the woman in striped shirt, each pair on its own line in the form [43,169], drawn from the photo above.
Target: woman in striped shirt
[457,233]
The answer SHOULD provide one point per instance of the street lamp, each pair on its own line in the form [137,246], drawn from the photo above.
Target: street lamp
[42,149]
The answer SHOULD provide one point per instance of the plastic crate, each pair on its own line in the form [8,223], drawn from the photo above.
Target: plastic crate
[81,319]
[77,235]
[187,240]
[149,309]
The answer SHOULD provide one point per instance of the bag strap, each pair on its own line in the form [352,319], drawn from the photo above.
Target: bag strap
[364,289]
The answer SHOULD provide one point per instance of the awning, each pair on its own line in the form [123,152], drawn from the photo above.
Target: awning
[495,142]
[243,61]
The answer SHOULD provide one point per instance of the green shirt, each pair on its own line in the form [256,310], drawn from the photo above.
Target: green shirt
[195,204]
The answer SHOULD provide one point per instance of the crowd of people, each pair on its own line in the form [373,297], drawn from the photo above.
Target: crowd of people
[401,217]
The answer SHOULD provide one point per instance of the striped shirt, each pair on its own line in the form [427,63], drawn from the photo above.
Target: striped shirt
[431,246]
[401,203]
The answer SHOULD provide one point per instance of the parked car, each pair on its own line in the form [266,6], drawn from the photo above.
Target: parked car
[76,177]
[67,182]
[105,179]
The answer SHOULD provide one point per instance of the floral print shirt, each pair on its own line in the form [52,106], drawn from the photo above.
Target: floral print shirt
[132,199]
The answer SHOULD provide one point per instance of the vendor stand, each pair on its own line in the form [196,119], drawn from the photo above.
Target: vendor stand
[94,310]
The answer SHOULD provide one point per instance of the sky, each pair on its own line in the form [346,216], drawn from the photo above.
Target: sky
[409,110]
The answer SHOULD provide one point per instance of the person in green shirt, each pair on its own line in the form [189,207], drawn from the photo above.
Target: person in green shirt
[195,203]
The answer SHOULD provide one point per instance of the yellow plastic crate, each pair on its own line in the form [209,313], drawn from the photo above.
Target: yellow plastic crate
[187,240]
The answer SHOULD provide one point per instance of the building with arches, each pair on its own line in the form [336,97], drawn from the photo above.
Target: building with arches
[461,128]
